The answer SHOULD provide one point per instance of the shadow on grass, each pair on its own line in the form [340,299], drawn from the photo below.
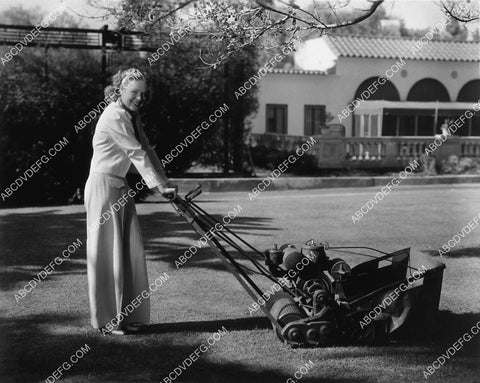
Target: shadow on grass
[464,252]
[447,329]
[33,347]
[254,323]
[30,241]
[32,353]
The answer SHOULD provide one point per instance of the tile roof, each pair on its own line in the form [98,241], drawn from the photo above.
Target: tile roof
[398,47]
[298,71]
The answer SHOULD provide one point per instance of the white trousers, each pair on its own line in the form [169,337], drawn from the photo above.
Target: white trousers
[116,266]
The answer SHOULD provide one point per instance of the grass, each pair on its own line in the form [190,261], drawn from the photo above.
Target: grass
[41,331]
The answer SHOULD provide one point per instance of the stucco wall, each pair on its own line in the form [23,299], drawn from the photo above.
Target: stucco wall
[295,90]
[337,91]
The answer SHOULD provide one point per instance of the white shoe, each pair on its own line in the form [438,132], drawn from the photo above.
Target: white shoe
[104,331]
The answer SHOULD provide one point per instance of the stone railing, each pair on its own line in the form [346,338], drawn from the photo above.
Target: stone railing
[470,148]
[373,152]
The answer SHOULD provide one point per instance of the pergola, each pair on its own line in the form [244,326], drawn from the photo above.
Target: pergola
[109,42]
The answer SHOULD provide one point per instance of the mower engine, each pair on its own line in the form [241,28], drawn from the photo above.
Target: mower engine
[316,282]
[324,301]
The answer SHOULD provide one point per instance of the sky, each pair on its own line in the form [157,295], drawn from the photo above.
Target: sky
[418,14]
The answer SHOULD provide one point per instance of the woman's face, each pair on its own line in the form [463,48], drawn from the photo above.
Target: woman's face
[133,94]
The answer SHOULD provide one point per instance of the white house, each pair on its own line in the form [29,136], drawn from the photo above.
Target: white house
[374,86]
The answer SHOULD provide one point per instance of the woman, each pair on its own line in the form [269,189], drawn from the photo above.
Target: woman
[116,264]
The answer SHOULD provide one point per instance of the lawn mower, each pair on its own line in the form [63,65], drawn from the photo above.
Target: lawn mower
[315,300]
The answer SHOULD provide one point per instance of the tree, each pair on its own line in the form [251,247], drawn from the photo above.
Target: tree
[233,26]
[461,15]
[456,30]
[184,95]
[370,26]
[38,108]
[17,15]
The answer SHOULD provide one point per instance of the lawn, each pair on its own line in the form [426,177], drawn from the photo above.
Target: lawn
[42,330]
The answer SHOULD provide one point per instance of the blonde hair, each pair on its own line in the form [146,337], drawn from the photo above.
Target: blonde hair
[120,80]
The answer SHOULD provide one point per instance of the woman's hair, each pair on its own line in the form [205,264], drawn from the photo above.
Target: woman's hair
[120,80]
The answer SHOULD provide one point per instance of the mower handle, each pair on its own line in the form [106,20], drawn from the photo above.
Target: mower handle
[195,192]
[182,205]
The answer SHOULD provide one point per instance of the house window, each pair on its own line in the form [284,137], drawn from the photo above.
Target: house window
[374,125]
[314,119]
[277,118]
[409,122]
[368,125]
[475,125]
[406,126]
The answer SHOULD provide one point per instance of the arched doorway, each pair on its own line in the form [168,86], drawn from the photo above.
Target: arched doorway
[384,91]
[373,88]
[470,92]
[428,89]
[424,123]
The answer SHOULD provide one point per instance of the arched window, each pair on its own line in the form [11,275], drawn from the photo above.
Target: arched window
[470,92]
[368,124]
[380,89]
[428,89]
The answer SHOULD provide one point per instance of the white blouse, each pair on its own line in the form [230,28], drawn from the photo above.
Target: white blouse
[115,148]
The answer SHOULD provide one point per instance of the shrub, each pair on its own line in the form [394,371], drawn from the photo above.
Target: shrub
[455,166]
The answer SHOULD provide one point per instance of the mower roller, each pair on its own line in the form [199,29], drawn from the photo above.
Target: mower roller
[315,300]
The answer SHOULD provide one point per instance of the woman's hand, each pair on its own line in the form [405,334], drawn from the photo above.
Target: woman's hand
[168,190]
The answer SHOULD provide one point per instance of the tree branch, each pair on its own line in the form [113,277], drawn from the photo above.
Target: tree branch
[319,24]
[463,16]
